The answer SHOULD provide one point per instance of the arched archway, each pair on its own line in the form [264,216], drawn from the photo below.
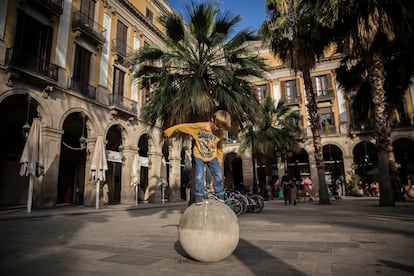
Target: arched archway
[143,150]
[71,179]
[404,157]
[14,188]
[298,165]
[114,149]
[366,161]
[233,172]
[334,169]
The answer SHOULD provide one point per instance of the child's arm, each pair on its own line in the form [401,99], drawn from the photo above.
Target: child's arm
[184,128]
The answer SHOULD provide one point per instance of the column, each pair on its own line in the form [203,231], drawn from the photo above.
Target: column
[127,191]
[44,195]
[154,177]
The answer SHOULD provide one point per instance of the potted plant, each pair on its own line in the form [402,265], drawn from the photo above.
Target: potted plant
[353,186]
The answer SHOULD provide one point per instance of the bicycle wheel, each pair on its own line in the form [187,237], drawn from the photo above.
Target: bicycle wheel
[258,205]
[235,205]
[243,200]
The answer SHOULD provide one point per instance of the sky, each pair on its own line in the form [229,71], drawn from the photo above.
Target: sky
[252,12]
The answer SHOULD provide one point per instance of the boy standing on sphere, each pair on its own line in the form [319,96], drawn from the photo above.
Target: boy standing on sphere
[208,149]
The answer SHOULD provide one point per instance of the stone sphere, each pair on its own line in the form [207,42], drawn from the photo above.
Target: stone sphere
[209,232]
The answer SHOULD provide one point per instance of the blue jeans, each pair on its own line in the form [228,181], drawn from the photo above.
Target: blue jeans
[215,170]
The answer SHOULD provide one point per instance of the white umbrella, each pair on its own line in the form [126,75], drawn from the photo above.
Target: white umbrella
[163,178]
[31,161]
[99,165]
[135,176]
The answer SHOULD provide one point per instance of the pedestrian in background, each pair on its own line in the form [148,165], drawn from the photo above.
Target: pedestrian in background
[286,186]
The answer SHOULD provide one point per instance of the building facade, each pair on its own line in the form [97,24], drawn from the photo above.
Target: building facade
[347,138]
[66,62]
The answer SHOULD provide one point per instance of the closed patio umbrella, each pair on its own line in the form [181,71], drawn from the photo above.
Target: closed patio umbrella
[31,161]
[163,178]
[135,177]
[99,165]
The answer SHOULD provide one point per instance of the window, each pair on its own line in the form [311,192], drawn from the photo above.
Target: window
[121,38]
[262,92]
[88,11]
[118,87]
[149,15]
[327,120]
[290,92]
[322,85]
[32,46]
[81,69]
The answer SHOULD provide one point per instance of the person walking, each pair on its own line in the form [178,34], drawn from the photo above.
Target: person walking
[208,149]
[286,186]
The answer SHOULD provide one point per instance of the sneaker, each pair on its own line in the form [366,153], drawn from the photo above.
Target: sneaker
[221,198]
[199,200]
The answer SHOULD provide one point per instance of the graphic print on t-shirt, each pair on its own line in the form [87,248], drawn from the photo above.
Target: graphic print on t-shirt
[207,144]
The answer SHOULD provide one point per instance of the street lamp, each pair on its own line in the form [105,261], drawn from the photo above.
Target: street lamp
[251,133]
[82,139]
[26,126]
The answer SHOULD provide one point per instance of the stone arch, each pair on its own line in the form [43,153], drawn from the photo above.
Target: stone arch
[144,149]
[233,171]
[365,161]
[333,157]
[404,157]
[16,111]
[298,164]
[91,126]
[42,107]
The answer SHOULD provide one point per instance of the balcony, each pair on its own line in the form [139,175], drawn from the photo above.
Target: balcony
[292,100]
[29,63]
[360,128]
[88,28]
[324,95]
[121,51]
[83,88]
[122,105]
[54,7]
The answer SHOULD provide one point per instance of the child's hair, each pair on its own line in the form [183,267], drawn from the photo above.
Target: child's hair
[222,118]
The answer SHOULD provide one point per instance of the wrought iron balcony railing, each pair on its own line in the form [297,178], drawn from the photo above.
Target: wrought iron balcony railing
[83,23]
[83,88]
[122,103]
[54,6]
[27,61]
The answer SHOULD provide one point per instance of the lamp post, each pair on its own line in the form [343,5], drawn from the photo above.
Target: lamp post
[26,126]
[251,132]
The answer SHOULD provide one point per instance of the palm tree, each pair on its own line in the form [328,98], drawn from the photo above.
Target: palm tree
[362,30]
[199,70]
[299,40]
[399,68]
[279,129]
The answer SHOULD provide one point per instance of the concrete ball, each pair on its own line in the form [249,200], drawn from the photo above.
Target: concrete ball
[208,232]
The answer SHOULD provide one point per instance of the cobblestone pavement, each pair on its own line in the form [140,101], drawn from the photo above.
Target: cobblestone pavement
[353,236]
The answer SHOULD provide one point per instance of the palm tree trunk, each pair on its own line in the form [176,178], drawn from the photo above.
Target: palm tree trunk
[316,132]
[382,132]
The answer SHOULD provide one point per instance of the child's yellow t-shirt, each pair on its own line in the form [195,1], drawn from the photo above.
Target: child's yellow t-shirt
[208,144]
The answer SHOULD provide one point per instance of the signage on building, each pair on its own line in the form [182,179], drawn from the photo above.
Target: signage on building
[114,156]
[143,161]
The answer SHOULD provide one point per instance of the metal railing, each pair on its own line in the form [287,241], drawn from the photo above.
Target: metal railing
[21,59]
[119,47]
[118,101]
[56,6]
[83,88]
[84,23]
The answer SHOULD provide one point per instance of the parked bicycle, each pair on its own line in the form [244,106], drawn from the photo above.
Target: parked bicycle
[229,200]
[253,203]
